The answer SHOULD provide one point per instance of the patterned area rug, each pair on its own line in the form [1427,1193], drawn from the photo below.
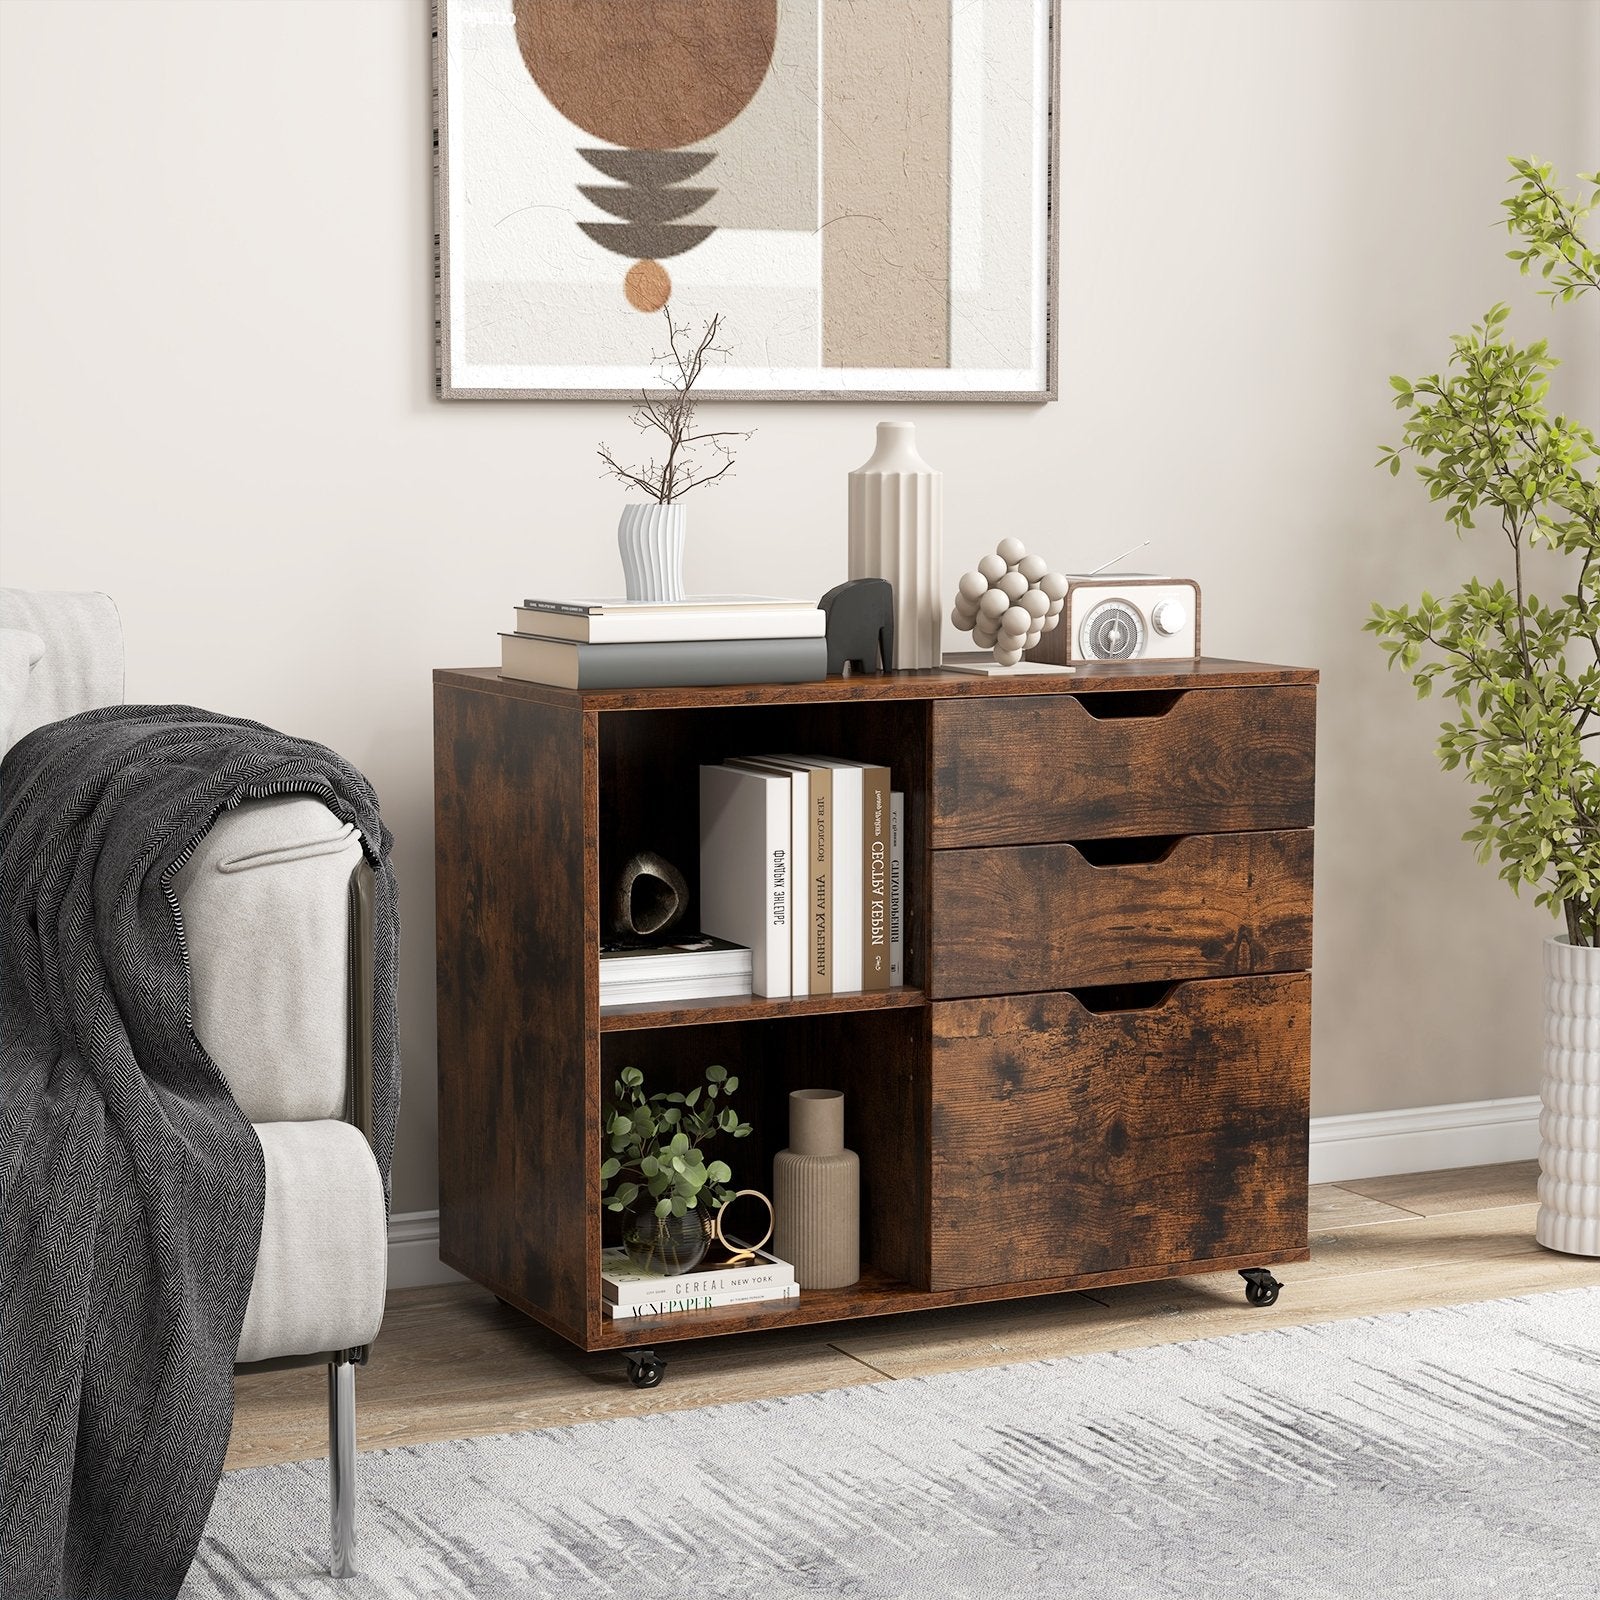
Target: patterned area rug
[1446,1453]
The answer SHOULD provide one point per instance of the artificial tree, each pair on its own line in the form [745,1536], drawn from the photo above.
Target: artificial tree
[1523,674]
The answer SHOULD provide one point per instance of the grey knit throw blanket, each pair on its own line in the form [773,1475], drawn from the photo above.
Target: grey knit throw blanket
[130,1182]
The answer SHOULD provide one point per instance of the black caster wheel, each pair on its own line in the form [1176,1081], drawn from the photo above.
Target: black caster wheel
[646,1369]
[1260,1287]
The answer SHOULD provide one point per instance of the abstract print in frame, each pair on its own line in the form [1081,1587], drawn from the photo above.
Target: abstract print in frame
[862,190]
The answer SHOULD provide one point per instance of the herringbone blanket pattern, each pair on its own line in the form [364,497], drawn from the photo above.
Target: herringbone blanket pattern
[130,1182]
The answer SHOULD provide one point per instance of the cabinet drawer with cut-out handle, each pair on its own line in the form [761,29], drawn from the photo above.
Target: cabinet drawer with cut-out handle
[1115,1128]
[1042,769]
[1058,916]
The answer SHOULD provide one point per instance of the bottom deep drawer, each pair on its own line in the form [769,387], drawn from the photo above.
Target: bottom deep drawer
[1090,1131]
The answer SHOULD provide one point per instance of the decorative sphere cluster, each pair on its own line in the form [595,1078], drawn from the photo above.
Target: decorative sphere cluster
[1009,602]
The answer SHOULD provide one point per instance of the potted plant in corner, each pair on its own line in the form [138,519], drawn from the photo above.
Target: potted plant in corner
[1523,675]
[656,1174]
[652,531]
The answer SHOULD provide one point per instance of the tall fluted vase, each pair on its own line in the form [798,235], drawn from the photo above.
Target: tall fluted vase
[816,1194]
[896,532]
[650,537]
[1569,1116]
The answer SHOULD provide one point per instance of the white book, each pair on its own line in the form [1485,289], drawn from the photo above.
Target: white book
[799,877]
[745,869]
[897,878]
[673,1301]
[848,876]
[621,1280]
[677,624]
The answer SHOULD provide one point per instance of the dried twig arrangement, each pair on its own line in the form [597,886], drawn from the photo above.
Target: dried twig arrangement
[692,459]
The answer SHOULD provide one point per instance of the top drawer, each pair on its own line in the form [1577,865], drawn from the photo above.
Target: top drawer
[1038,769]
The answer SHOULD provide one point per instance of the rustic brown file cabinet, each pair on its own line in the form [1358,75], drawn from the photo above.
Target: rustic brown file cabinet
[1097,1071]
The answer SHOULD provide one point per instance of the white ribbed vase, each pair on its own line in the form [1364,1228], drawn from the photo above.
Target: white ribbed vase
[1569,1119]
[650,537]
[896,532]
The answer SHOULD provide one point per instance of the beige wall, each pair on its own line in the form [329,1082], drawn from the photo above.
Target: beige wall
[217,405]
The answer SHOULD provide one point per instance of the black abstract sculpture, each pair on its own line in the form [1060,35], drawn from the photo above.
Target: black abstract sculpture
[860,626]
[651,896]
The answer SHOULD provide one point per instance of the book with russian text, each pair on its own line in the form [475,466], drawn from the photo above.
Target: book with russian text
[745,868]
[897,890]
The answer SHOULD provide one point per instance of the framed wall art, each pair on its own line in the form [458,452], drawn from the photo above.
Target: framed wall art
[862,190]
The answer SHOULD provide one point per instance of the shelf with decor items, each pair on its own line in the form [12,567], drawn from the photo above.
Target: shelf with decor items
[1096,1072]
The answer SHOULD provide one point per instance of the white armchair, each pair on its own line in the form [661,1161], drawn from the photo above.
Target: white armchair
[285,1015]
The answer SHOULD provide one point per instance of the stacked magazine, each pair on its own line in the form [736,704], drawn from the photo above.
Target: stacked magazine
[631,1292]
[693,968]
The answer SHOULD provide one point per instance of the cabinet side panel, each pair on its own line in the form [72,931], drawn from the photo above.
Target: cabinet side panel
[512,855]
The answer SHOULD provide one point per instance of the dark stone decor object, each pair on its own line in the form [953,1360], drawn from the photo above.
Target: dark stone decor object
[651,896]
[860,626]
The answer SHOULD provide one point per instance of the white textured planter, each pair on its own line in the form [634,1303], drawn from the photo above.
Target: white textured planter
[1569,1121]
[650,537]
[896,532]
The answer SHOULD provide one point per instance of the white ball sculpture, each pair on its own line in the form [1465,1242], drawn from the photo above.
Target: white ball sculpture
[1009,601]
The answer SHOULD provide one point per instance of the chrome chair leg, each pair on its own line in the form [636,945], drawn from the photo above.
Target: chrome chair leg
[342,1466]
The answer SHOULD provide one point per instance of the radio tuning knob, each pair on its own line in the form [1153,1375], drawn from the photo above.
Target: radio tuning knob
[1169,617]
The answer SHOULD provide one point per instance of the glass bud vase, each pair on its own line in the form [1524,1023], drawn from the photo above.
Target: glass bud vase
[667,1245]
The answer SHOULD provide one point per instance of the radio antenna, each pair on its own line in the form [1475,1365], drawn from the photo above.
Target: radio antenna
[1132,550]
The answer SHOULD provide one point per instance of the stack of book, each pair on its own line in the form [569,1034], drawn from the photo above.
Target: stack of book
[629,644]
[801,859]
[630,1292]
[695,968]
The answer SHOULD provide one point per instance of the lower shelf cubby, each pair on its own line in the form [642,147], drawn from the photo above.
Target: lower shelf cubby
[878,1059]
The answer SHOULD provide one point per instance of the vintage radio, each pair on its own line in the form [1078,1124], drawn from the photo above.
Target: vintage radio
[1130,617]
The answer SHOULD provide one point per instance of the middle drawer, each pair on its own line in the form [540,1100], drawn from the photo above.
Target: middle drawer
[1028,918]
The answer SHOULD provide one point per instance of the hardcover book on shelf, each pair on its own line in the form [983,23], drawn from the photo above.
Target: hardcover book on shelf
[897,877]
[744,868]
[566,664]
[848,872]
[617,622]
[801,937]
[816,863]
[875,803]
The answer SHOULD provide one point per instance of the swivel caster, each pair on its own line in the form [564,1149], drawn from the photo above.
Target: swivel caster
[1260,1287]
[645,1369]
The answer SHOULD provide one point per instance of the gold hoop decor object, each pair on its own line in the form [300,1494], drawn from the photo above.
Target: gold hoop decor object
[740,1254]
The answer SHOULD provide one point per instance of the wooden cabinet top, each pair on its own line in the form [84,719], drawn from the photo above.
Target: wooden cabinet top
[930,684]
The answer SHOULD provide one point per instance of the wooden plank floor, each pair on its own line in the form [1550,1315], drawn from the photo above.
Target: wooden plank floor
[452,1362]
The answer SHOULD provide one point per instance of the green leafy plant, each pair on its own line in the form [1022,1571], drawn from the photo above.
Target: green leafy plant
[1523,675]
[657,1144]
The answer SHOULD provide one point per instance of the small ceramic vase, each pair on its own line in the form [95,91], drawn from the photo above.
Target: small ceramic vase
[650,537]
[816,1194]
[896,532]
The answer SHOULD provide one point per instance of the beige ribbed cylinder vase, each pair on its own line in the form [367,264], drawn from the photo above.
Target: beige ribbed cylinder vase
[1569,1117]
[896,532]
[816,1194]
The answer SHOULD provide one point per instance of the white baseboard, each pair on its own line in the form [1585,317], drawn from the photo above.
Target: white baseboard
[414,1251]
[1374,1144]
[1369,1144]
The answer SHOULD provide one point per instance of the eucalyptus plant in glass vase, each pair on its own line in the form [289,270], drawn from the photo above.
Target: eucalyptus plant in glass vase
[656,1173]
[685,456]
[1522,675]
